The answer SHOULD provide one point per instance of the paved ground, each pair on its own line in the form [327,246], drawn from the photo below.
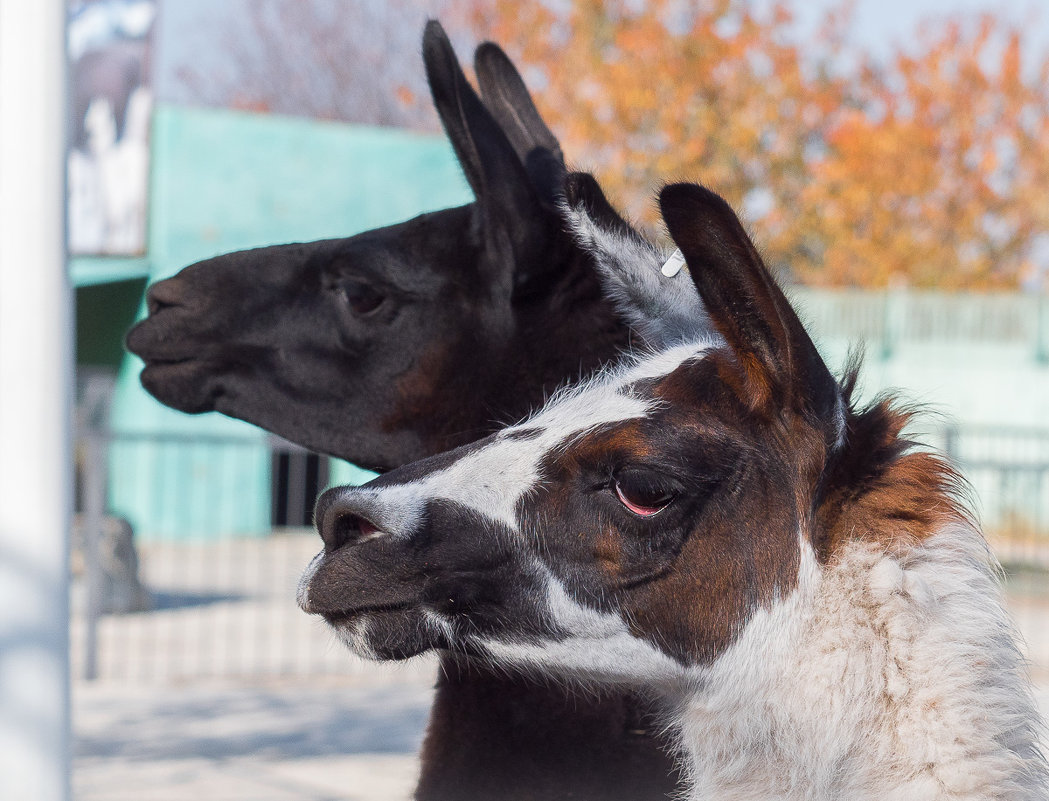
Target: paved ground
[225,691]
[351,738]
[333,740]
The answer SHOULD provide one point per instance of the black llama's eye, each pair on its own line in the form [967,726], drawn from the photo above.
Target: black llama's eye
[643,492]
[362,298]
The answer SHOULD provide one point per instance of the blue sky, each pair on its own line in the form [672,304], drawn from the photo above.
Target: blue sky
[881,25]
[189,28]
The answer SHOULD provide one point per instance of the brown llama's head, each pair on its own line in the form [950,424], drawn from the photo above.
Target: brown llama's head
[637,523]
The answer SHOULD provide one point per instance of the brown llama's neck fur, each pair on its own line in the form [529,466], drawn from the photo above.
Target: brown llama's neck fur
[881,488]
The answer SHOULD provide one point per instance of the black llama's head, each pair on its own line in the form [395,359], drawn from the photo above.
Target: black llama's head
[406,340]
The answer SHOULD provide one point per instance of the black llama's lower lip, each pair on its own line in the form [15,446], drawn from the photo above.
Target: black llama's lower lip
[152,361]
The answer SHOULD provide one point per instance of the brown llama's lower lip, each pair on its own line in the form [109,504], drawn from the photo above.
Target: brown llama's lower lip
[348,615]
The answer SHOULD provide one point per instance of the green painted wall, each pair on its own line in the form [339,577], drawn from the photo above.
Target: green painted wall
[224,181]
[104,312]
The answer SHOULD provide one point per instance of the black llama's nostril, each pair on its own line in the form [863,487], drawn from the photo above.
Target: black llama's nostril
[164,294]
[340,522]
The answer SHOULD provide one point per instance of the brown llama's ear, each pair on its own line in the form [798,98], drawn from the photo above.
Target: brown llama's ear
[515,226]
[746,305]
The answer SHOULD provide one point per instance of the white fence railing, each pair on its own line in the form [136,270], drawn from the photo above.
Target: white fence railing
[221,604]
[886,320]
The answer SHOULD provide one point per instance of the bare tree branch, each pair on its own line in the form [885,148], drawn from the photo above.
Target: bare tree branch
[353,60]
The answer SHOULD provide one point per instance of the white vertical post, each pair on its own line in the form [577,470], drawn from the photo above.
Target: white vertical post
[35,405]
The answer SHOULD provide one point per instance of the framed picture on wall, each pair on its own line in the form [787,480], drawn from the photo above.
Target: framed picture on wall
[111,101]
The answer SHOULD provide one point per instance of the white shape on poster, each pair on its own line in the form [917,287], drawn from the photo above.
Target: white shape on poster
[108,163]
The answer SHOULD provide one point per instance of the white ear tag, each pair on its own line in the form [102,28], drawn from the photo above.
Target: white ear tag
[674,264]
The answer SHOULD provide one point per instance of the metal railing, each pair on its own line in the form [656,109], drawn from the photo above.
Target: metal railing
[1007,469]
[903,317]
[152,604]
[155,602]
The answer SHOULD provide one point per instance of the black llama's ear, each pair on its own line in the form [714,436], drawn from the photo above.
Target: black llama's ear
[746,305]
[646,285]
[506,96]
[516,228]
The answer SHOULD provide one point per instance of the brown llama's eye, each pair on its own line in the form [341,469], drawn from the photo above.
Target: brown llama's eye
[361,297]
[643,492]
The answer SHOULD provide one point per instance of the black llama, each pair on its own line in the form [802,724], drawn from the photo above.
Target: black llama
[408,340]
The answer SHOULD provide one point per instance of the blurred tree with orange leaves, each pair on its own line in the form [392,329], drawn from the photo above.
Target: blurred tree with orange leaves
[930,170]
[939,176]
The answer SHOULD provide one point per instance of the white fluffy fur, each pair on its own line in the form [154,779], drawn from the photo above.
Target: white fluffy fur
[665,309]
[598,650]
[881,678]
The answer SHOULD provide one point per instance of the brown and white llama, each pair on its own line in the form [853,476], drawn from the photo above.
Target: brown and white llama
[717,523]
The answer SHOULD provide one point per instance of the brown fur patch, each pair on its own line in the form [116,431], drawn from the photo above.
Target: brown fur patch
[881,489]
[687,577]
[430,404]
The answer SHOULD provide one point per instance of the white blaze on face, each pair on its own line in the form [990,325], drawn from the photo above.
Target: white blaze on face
[492,480]
[597,647]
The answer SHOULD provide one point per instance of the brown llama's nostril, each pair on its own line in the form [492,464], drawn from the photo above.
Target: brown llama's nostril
[340,522]
[349,529]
